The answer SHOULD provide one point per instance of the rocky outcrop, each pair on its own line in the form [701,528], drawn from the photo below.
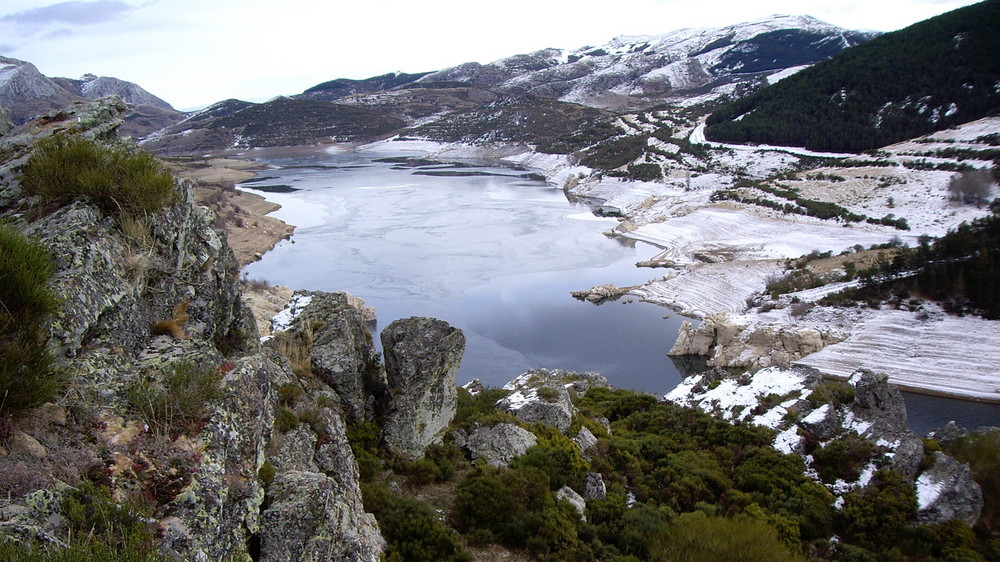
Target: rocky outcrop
[805,410]
[498,444]
[6,124]
[225,479]
[729,344]
[311,517]
[543,396]
[599,294]
[341,352]
[422,357]
[569,495]
[946,491]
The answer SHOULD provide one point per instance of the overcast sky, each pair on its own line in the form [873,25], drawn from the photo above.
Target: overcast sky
[196,52]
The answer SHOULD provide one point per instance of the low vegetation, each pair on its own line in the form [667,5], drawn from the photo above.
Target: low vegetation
[27,375]
[174,401]
[120,181]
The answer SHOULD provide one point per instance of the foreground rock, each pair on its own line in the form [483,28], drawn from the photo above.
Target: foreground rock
[729,344]
[499,444]
[422,357]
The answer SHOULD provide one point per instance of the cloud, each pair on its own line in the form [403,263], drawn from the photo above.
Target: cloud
[73,13]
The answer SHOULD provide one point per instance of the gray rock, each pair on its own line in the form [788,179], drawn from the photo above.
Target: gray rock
[576,500]
[595,488]
[312,518]
[474,387]
[587,443]
[499,444]
[946,491]
[948,434]
[823,423]
[6,124]
[422,357]
[873,393]
[296,450]
[540,396]
[342,353]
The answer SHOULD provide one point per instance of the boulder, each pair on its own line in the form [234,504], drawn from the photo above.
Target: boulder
[595,488]
[311,517]
[576,500]
[422,357]
[540,396]
[499,444]
[946,491]
[587,443]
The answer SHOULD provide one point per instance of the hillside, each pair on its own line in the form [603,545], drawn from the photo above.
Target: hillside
[27,93]
[930,76]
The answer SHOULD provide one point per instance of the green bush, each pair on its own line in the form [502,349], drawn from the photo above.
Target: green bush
[695,537]
[411,529]
[286,420]
[834,393]
[175,404]
[27,376]
[120,182]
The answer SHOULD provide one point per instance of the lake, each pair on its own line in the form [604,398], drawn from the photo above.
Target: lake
[491,250]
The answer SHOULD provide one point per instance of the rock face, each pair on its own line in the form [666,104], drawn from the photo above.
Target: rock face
[422,357]
[728,344]
[795,402]
[205,478]
[341,353]
[499,444]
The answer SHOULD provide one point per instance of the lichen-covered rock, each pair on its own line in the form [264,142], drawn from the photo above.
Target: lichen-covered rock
[587,442]
[296,450]
[595,488]
[499,444]
[540,396]
[212,517]
[568,494]
[730,344]
[312,517]
[342,352]
[422,357]
[946,491]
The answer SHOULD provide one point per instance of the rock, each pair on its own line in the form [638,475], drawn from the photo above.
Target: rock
[296,450]
[595,488]
[342,352]
[822,423]
[422,357]
[948,434]
[946,491]
[600,294]
[873,393]
[576,500]
[6,124]
[730,344]
[499,444]
[474,387]
[587,443]
[311,518]
[540,396]
[24,443]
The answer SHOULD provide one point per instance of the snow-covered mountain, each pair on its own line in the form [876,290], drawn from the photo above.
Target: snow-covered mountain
[26,93]
[640,70]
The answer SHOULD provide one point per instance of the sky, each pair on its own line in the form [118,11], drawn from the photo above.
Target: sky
[193,53]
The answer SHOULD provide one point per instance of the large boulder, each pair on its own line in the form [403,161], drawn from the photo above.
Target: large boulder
[946,491]
[498,444]
[422,357]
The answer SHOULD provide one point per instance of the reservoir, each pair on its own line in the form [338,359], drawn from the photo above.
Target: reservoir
[491,250]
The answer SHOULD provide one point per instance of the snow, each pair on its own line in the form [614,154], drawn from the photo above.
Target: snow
[781,75]
[938,353]
[282,321]
[928,491]
[704,289]
[817,415]
[788,440]
[735,401]
[698,137]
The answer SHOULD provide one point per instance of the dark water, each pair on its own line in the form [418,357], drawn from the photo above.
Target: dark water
[496,253]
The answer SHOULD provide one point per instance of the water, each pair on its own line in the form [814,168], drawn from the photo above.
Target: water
[486,249]
[496,254]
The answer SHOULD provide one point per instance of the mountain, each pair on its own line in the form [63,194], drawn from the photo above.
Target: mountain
[534,98]
[927,77]
[27,93]
[641,71]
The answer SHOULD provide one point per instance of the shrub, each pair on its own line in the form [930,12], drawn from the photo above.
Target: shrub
[411,529]
[27,377]
[286,420]
[120,182]
[834,393]
[695,537]
[176,403]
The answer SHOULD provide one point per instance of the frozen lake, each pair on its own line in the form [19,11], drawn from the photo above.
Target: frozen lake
[493,251]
